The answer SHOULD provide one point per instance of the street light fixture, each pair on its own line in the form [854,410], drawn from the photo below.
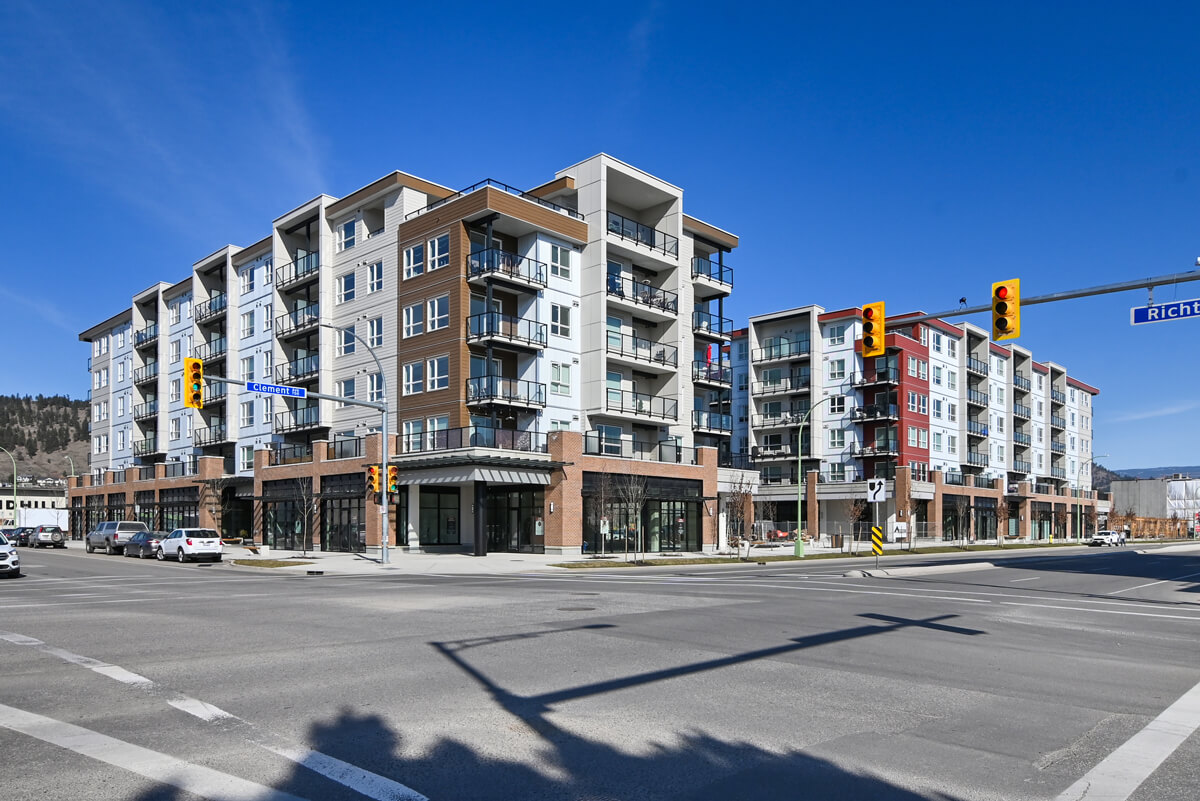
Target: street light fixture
[14,461]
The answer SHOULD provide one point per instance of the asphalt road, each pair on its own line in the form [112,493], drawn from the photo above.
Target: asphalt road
[1064,676]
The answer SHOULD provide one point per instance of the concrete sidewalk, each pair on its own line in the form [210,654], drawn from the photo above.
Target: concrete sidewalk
[399,561]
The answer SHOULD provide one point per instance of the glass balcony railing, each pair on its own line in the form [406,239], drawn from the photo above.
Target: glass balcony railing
[712,372]
[1022,383]
[298,370]
[705,323]
[146,335]
[212,435]
[211,350]
[977,428]
[297,321]
[784,384]
[976,366]
[1057,422]
[878,411]
[495,388]
[145,410]
[145,447]
[642,349]
[503,264]
[711,421]
[703,268]
[977,398]
[448,439]
[781,350]
[977,459]
[1022,439]
[211,307]
[641,403]
[883,375]
[304,268]
[147,373]
[653,238]
[1057,397]
[292,419]
[507,328]
[597,444]
[643,294]
[1021,410]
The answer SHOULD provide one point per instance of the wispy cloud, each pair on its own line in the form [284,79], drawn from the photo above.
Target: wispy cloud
[1162,411]
[51,314]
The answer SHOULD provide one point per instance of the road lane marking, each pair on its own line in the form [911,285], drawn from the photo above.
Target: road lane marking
[195,779]
[1031,578]
[1192,618]
[1121,773]
[363,782]
[199,709]
[1152,583]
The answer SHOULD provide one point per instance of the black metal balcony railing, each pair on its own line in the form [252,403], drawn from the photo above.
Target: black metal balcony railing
[215,391]
[977,459]
[842,477]
[207,351]
[596,444]
[642,349]
[977,398]
[1021,410]
[789,383]
[144,410]
[878,411]
[785,417]
[703,268]
[1057,397]
[653,238]
[953,478]
[1057,422]
[291,453]
[770,478]
[144,447]
[147,373]
[177,468]
[146,335]
[1058,447]
[448,439]
[303,268]
[346,448]
[505,390]
[212,307]
[643,294]
[711,421]
[1021,466]
[778,450]
[712,372]
[1022,383]
[781,350]
[297,370]
[212,435]
[1022,439]
[976,366]
[977,428]
[880,447]
[502,187]
[501,263]
[292,419]
[295,322]
[705,323]
[507,328]
[885,375]
[641,403]
[738,461]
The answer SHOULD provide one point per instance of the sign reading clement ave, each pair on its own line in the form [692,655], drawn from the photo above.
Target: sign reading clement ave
[1162,312]
[277,389]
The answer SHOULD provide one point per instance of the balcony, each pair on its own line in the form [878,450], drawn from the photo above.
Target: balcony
[519,271]
[177,468]
[781,351]
[641,404]
[596,444]
[295,419]
[977,398]
[712,422]
[1021,466]
[344,448]
[145,410]
[710,279]
[286,453]
[888,375]
[145,374]
[1022,411]
[1022,383]
[718,374]
[1057,422]
[298,322]
[298,370]
[627,346]
[449,439]
[207,351]
[786,418]
[786,384]
[505,328]
[976,366]
[780,450]
[1023,440]
[145,447]
[1057,397]
[508,391]
[976,428]
[304,270]
[711,326]
[211,309]
[977,459]
[877,411]
[147,336]
[1057,447]
[954,479]
[634,231]
[213,435]
[776,478]
[880,447]
[1058,472]
[663,304]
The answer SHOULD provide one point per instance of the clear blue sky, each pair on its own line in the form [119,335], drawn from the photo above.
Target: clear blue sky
[911,153]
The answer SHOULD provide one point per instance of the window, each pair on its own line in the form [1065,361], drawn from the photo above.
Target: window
[937,343]
[100,444]
[837,437]
[266,365]
[923,438]
[1000,454]
[174,313]
[414,320]
[1039,408]
[174,355]
[121,440]
[439,372]
[743,350]
[560,425]
[432,426]
[937,441]
[344,389]
[837,472]
[912,401]
[937,408]
[413,429]
[247,326]
[246,279]
[560,261]
[923,404]
[937,376]
[174,428]
[560,379]
[375,332]
[414,261]
[439,252]
[347,342]
[610,440]
[414,378]
[174,392]
[268,406]
[246,457]
[345,236]
[1038,429]
[837,404]
[923,370]
[246,367]
[1039,381]
[374,277]
[267,319]
[120,371]
[952,412]
[837,334]
[837,368]
[951,379]
[951,439]
[912,436]
[743,382]
[1039,460]
[1072,418]
[439,313]
[121,338]
[912,366]
[924,335]
[1000,395]
[121,405]
[246,413]
[345,288]
[999,366]
[375,387]
[560,320]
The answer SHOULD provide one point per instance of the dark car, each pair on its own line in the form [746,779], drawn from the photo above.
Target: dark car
[22,535]
[144,543]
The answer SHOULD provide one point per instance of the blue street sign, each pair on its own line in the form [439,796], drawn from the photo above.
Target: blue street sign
[277,389]
[1161,312]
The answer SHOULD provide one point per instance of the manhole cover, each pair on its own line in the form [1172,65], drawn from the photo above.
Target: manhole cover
[577,609]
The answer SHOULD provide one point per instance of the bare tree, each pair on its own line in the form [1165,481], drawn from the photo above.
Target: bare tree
[1061,516]
[962,523]
[308,511]
[631,490]
[737,523]
[766,513]
[215,499]
[601,507]
[1002,517]
[1089,516]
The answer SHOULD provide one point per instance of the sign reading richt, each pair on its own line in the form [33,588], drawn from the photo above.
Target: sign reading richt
[1161,312]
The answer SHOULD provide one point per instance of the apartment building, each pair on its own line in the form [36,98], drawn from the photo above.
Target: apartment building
[972,436]
[543,354]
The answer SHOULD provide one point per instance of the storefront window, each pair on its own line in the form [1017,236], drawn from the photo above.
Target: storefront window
[439,523]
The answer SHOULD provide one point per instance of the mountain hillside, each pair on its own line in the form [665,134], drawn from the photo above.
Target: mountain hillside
[1192,471]
[41,431]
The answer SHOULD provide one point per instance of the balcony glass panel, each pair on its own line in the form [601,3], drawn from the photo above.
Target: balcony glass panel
[508,390]
[643,294]
[495,261]
[712,421]
[714,372]
[710,269]
[626,228]
[619,400]
[642,349]
[503,326]
[707,323]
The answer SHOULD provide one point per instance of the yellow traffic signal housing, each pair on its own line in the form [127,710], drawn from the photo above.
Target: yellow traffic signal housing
[873,329]
[393,478]
[1006,309]
[373,478]
[193,377]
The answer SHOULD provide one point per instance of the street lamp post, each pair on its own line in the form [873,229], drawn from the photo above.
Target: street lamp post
[74,534]
[798,549]
[1078,489]
[14,461]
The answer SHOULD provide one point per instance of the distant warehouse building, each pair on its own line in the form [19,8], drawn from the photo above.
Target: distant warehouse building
[1176,498]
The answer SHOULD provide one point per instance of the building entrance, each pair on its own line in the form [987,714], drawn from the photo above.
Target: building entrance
[516,520]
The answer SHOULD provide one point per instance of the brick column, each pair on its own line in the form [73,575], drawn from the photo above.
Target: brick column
[935,506]
[812,516]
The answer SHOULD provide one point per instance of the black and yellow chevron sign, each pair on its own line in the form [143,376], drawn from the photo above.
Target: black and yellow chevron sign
[877,540]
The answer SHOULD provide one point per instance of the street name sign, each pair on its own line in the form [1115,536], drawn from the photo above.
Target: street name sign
[277,389]
[1161,312]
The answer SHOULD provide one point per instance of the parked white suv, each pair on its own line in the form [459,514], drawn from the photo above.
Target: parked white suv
[186,544]
[10,562]
[111,535]
[1113,538]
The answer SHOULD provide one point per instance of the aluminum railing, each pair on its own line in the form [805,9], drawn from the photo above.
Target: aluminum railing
[641,403]
[495,261]
[626,228]
[642,349]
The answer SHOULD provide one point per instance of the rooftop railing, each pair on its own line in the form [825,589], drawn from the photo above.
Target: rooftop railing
[502,187]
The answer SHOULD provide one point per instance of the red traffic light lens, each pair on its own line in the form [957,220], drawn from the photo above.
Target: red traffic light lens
[869,313]
[1002,292]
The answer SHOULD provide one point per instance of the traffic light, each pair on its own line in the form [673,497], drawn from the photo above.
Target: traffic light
[873,329]
[373,478]
[1006,309]
[393,479]
[193,376]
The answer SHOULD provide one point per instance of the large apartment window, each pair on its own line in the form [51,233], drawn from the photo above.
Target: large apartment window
[937,441]
[951,379]
[937,376]
[374,277]
[837,369]
[837,404]
[951,439]
[560,320]
[375,332]
[912,436]
[174,428]
[439,313]
[937,344]
[246,457]
[912,401]
[265,372]
[413,430]
[345,235]
[837,438]
[952,348]
[175,390]
[175,345]
[246,368]
[246,280]
[414,378]
[346,342]
[433,425]
[247,324]
[937,409]
[345,288]
[174,313]
[268,407]
[439,252]
[837,334]
[375,387]
[414,320]
[912,366]
[610,440]
[439,372]
[560,378]
[560,262]
[414,261]
[246,414]
[344,389]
